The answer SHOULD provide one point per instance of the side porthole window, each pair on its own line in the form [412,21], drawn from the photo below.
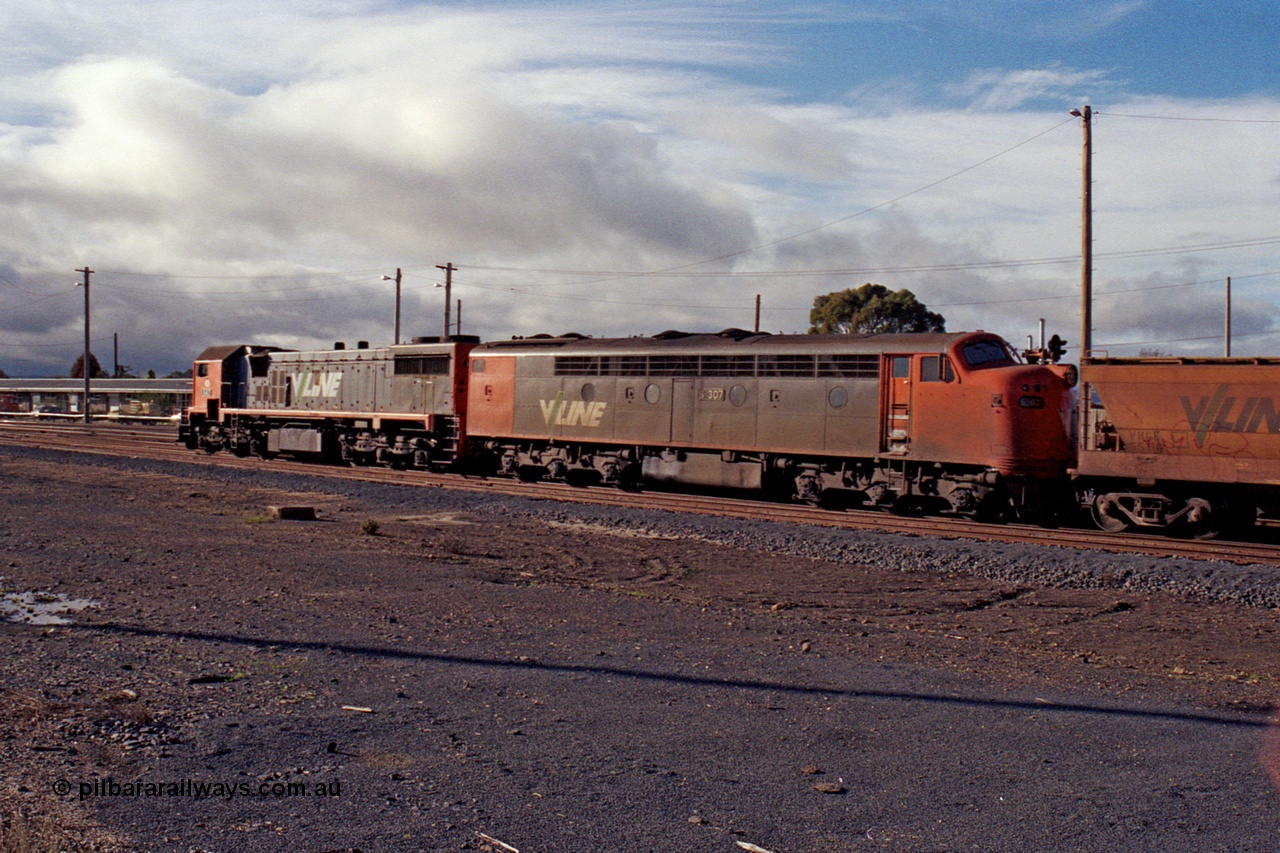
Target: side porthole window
[737,395]
[652,393]
[838,397]
[588,392]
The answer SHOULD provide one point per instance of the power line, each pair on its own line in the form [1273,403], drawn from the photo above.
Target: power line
[1193,118]
[312,274]
[1217,337]
[947,267]
[1106,292]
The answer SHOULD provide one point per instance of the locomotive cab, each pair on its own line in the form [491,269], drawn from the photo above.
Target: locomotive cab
[978,403]
[1000,428]
[220,380]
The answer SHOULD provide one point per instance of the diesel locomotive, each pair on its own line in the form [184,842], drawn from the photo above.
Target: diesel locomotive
[951,422]
[403,406]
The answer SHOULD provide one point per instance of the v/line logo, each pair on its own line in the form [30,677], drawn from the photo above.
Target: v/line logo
[307,383]
[1220,413]
[577,413]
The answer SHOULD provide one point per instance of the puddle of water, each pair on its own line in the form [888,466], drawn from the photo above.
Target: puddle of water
[41,608]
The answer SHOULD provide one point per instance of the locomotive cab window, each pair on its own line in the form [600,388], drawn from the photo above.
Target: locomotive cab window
[259,365]
[936,368]
[986,354]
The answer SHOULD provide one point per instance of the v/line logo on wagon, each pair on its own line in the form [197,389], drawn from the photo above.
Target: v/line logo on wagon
[1219,413]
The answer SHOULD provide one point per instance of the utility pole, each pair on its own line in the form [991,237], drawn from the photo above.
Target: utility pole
[87,272]
[1228,329]
[458,322]
[397,281]
[397,304]
[448,292]
[1085,114]
[757,312]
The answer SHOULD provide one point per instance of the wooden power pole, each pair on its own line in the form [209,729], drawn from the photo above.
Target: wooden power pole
[1086,233]
[87,371]
[448,293]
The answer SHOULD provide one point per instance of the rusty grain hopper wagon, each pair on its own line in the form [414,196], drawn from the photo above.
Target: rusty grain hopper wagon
[1188,444]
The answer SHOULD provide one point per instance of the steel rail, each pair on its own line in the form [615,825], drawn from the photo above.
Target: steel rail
[157,444]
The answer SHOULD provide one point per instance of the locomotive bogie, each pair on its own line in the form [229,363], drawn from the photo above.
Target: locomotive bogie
[1201,511]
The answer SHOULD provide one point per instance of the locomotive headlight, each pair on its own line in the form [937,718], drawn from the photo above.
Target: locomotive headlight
[1029,401]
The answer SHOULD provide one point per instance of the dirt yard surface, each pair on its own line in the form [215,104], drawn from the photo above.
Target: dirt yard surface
[184,672]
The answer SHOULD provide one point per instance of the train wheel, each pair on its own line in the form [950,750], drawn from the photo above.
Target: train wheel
[630,480]
[808,489]
[1108,516]
[508,466]
[963,502]
[1205,518]
[996,507]
[1219,515]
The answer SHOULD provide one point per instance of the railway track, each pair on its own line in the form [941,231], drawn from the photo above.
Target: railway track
[157,443]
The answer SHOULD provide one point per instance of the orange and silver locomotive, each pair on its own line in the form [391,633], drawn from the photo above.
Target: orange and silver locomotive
[951,422]
[403,406]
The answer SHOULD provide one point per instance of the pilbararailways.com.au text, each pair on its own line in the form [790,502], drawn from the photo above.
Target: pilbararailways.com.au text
[197,789]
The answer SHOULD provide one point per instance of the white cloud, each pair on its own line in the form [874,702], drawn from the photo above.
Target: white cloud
[999,89]
[309,150]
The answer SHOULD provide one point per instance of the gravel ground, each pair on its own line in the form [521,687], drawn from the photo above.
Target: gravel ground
[1049,566]
[561,677]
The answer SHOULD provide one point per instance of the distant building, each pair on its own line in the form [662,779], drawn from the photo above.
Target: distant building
[108,398]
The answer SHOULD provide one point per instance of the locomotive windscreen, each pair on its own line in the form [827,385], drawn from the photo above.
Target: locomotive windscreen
[979,353]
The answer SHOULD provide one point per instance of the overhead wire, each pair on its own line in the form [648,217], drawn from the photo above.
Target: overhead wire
[1191,118]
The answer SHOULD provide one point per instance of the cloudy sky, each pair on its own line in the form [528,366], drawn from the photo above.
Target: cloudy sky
[248,170]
